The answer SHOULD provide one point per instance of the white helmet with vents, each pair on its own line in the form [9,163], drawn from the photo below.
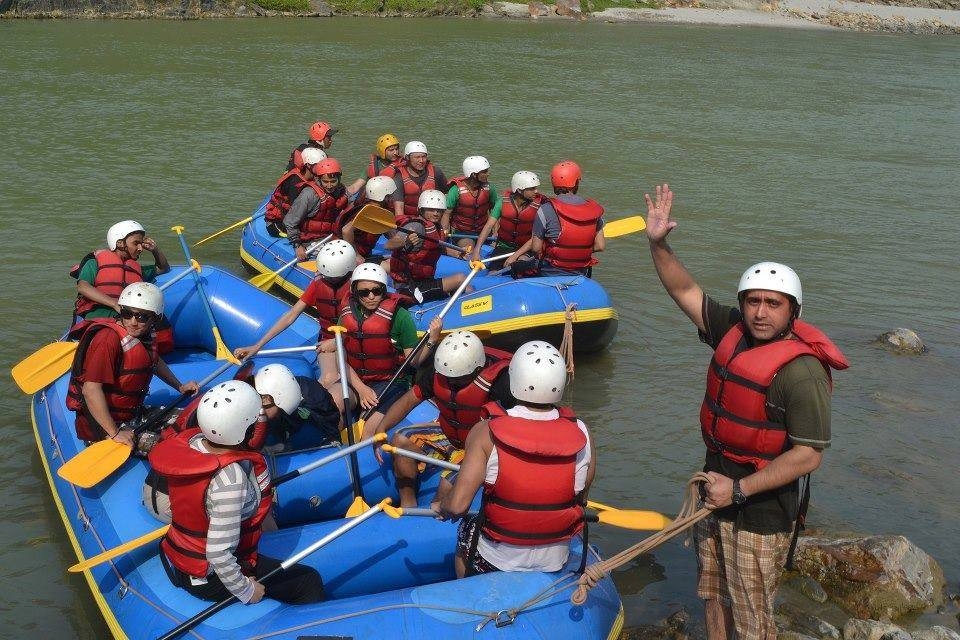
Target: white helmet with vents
[538,373]
[227,411]
[459,354]
[278,382]
[336,259]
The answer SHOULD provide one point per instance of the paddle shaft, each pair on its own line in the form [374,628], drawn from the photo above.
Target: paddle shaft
[347,414]
[286,564]
[430,513]
[426,336]
[346,451]
[313,247]
[425,237]
[203,294]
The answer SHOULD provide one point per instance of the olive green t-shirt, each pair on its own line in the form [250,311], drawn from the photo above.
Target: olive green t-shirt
[798,397]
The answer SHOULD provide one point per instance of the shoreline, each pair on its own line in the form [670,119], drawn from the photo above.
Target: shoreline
[844,15]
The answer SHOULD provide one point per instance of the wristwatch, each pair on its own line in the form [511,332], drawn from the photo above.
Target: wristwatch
[738,497]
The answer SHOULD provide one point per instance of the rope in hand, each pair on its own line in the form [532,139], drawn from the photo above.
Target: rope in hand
[566,343]
[688,516]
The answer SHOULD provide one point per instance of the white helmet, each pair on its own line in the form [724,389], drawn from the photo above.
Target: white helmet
[474,164]
[459,354]
[312,155]
[369,271]
[379,187]
[538,373]
[227,411]
[432,199]
[121,230]
[278,382]
[414,146]
[524,180]
[772,276]
[142,295]
[336,258]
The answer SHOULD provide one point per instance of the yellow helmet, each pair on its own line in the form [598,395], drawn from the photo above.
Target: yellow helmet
[385,141]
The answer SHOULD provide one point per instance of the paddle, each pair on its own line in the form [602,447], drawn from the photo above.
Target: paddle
[624,518]
[119,550]
[359,505]
[102,458]
[222,352]
[374,219]
[476,267]
[264,281]
[51,361]
[232,227]
[286,564]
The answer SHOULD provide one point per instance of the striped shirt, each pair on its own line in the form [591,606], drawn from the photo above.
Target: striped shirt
[233,495]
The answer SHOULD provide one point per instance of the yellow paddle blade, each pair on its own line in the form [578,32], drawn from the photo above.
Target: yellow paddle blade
[600,506]
[94,463]
[263,281]
[110,554]
[308,265]
[43,366]
[357,508]
[629,519]
[357,432]
[222,352]
[374,219]
[223,231]
[624,226]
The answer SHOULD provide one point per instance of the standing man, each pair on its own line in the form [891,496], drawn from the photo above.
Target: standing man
[471,200]
[567,231]
[416,175]
[523,525]
[765,421]
[104,273]
[113,366]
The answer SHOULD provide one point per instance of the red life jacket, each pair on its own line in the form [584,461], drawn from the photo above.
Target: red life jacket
[296,156]
[323,221]
[187,419]
[113,274]
[329,301]
[363,242]
[733,416]
[188,473]
[420,264]
[516,226]
[462,408]
[411,190]
[133,375]
[288,188]
[471,211]
[370,352]
[573,249]
[380,167]
[517,510]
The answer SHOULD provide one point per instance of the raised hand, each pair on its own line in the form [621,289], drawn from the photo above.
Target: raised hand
[659,223]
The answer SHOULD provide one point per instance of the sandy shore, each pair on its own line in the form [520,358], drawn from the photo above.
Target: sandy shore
[807,14]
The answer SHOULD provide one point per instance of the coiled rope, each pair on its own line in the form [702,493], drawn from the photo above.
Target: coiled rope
[689,515]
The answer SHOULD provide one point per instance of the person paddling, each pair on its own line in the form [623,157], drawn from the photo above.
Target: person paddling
[416,175]
[289,187]
[765,421]
[513,223]
[523,525]
[220,496]
[567,230]
[387,158]
[380,191]
[314,214]
[416,249]
[471,200]
[113,366]
[464,377]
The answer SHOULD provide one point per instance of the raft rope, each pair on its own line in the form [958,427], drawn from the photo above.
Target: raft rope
[688,516]
[281,260]
[559,286]
[566,344]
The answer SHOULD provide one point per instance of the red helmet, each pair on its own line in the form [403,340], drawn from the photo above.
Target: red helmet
[565,174]
[320,130]
[327,167]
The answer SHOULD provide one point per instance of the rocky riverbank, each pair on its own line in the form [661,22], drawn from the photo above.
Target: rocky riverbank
[857,588]
[907,16]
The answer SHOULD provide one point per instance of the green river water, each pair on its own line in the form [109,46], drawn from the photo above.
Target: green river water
[834,152]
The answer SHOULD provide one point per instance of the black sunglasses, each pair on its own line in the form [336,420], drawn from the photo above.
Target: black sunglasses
[366,293]
[141,316]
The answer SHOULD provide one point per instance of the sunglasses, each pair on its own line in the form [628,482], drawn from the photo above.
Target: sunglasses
[141,316]
[368,293]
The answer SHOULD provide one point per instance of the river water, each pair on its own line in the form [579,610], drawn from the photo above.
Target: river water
[836,153]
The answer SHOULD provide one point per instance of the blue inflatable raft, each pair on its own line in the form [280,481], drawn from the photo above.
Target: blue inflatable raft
[387,578]
[513,311]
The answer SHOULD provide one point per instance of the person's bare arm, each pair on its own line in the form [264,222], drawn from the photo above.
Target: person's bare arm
[472,472]
[90,292]
[675,278]
[279,326]
[797,461]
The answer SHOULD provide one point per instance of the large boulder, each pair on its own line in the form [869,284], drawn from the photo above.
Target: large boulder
[869,630]
[936,633]
[537,9]
[874,577]
[905,341]
[569,8]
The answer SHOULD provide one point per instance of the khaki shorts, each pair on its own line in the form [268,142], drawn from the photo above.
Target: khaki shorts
[741,570]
